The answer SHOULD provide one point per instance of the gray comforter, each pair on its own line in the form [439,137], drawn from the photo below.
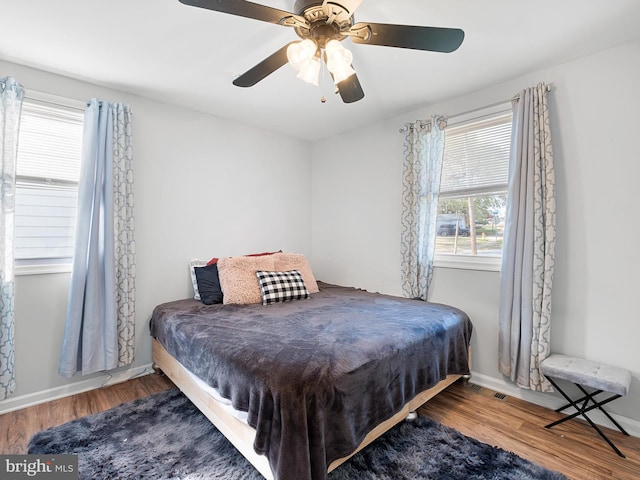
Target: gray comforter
[316,375]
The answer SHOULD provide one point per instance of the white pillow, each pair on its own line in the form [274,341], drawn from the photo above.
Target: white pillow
[192,265]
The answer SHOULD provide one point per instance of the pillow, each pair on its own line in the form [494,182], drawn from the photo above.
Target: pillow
[209,284]
[281,286]
[192,265]
[238,278]
[297,261]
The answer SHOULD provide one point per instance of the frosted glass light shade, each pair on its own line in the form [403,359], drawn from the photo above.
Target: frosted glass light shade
[300,53]
[339,61]
[310,71]
[333,46]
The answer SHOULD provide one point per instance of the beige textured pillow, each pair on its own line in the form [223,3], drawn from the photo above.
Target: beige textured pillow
[297,261]
[238,278]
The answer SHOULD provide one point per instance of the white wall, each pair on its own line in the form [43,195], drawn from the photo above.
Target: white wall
[595,123]
[204,187]
[201,184]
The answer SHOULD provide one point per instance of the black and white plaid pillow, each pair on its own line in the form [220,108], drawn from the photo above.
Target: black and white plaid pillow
[281,286]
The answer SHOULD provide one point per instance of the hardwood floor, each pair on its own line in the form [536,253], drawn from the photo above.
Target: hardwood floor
[16,428]
[572,448]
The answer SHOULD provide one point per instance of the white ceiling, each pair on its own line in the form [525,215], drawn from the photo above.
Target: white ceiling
[189,56]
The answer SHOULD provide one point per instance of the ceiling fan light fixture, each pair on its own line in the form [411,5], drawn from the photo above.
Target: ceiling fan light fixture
[339,61]
[299,53]
[310,71]
[333,46]
[317,23]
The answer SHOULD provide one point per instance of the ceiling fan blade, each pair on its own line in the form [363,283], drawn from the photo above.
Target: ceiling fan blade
[263,69]
[245,9]
[433,39]
[350,89]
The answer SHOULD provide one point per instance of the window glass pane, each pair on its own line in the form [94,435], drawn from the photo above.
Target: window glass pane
[45,221]
[48,170]
[473,188]
[471,226]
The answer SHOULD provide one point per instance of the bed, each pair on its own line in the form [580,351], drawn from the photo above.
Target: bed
[298,387]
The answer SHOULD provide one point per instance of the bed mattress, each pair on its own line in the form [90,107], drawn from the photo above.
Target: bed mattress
[315,376]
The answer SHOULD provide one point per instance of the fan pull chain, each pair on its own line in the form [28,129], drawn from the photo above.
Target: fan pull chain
[323,99]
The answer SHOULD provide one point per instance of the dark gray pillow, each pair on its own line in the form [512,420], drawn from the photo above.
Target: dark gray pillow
[209,284]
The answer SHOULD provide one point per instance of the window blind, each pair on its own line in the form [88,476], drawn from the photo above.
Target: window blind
[47,174]
[50,142]
[476,157]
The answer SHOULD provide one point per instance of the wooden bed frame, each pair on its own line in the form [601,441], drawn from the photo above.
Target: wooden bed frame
[241,435]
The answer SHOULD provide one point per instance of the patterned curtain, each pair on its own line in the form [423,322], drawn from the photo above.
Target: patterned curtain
[100,325]
[529,244]
[422,168]
[11,95]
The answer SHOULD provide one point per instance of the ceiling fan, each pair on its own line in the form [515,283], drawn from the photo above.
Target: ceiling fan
[322,26]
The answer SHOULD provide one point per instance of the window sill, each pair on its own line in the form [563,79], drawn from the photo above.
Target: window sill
[468,262]
[42,269]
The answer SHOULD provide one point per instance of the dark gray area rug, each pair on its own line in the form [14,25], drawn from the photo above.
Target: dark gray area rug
[164,436]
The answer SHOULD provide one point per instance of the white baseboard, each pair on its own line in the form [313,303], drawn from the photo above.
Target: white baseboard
[551,401]
[23,401]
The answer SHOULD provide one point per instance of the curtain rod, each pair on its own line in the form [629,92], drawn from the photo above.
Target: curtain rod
[54,99]
[512,99]
[59,101]
[517,95]
[486,107]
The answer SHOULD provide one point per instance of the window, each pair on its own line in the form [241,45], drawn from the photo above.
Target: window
[47,175]
[473,190]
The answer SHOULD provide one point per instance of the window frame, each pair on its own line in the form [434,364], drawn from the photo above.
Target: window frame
[490,263]
[53,265]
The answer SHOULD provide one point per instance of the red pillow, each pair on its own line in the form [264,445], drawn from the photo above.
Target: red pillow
[215,259]
[262,254]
